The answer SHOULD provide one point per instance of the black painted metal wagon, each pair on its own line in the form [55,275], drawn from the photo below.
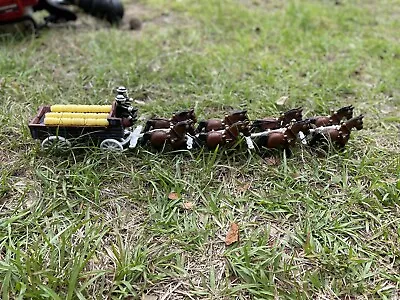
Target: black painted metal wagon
[61,125]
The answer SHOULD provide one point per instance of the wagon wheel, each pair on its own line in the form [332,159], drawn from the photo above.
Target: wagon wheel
[56,143]
[111,145]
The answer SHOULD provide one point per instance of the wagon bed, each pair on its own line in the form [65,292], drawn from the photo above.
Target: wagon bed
[41,131]
[106,136]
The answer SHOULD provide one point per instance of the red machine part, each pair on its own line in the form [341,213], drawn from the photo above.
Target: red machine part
[14,10]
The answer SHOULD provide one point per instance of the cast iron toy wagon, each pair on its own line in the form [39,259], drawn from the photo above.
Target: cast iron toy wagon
[57,126]
[111,128]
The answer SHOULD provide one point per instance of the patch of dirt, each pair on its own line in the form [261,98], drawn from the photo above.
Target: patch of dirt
[384,12]
[6,157]
[128,222]
[389,142]
[138,16]
[20,190]
[119,213]
[198,268]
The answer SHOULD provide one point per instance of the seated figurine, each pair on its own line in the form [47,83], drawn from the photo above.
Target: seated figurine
[125,111]
[121,90]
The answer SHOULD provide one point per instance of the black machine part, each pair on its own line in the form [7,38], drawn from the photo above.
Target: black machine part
[110,10]
[58,12]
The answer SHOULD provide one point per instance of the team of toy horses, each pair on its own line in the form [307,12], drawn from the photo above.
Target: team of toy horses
[183,131]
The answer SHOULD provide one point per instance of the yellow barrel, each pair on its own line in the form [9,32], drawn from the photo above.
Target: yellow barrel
[75,122]
[76,115]
[81,108]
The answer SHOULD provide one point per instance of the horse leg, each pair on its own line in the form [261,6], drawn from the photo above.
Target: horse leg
[145,138]
[148,125]
[202,125]
[197,142]
[287,151]
[255,126]
[341,147]
[202,138]
[341,143]
[262,141]
[315,140]
[263,150]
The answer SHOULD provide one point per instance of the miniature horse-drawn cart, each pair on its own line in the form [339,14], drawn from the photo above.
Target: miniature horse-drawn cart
[111,127]
[59,125]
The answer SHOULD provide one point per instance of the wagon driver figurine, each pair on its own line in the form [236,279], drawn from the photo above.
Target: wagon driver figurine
[121,90]
[125,111]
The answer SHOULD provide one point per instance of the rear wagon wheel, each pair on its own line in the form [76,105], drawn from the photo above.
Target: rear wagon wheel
[56,143]
[111,145]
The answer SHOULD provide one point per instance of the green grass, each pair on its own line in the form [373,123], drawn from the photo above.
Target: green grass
[86,225]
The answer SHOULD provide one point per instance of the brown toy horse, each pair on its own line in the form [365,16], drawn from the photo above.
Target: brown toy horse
[217,124]
[335,118]
[176,136]
[225,137]
[278,139]
[337,134]
[275,123]
[157,123]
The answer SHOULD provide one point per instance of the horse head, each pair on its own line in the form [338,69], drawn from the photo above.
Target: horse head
[356,122]
[185,115]
[292,114]
[239,127]
[345,112]
[302,125]
[192,115]
[243,127]
[181,128]
[236,116]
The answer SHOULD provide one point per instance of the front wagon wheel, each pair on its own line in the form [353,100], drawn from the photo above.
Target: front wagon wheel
[111,145]
[57,143]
